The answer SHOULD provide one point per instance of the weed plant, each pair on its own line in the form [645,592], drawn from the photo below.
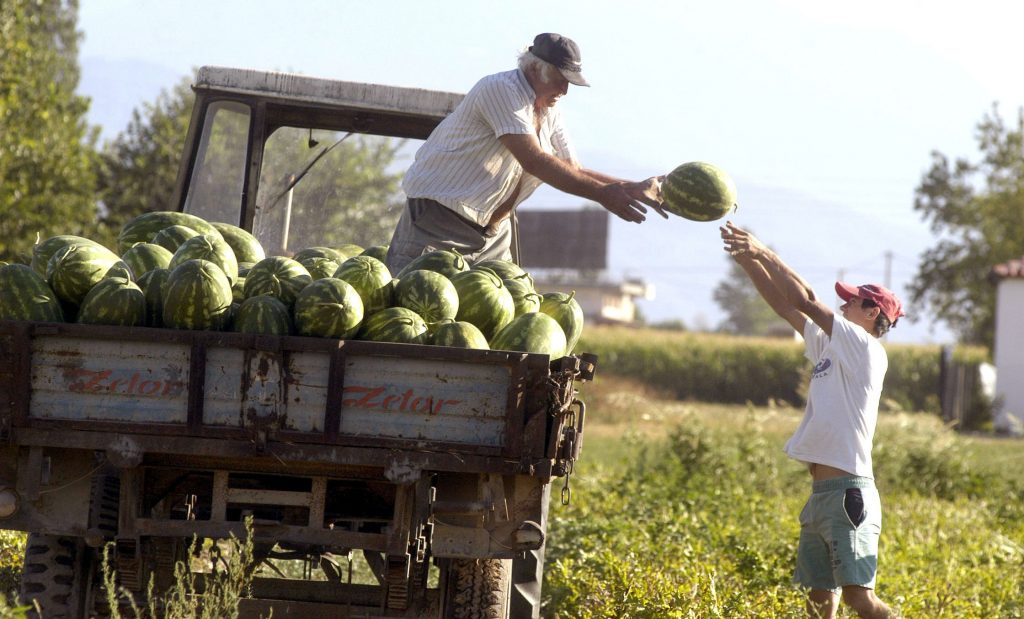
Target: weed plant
[690,510]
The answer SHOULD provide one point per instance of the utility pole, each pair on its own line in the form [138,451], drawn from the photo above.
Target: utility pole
[888,270]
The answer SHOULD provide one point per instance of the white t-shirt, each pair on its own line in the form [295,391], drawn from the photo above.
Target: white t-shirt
[462,164]
[842,401]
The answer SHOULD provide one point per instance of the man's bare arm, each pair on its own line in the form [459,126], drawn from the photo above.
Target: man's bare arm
[614,196]
[795,292]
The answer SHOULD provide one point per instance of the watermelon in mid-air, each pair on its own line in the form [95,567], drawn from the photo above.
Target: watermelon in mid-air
[699,191]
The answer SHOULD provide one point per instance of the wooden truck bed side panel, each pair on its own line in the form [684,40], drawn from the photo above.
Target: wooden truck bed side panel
[158,381]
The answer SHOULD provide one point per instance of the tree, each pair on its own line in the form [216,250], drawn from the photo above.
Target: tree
[47,177]
[747,313]
[975,211]
[140,166]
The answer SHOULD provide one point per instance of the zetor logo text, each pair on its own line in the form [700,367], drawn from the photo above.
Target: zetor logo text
[407,401]
[121,382]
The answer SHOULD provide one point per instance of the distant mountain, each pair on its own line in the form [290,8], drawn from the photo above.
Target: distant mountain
[118,86]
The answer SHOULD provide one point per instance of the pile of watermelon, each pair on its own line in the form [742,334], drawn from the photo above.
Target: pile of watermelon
[175,270]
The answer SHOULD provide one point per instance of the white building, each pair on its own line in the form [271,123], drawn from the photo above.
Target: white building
[1009,346]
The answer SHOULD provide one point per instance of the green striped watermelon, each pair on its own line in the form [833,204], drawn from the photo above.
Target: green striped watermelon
[74,269]
[428,293]
[114,301]
[566,310]
[43,251]
[395,324]
[207,247]
[484,300]
[534,333]
[447,262]
[145,226]
[152,285]
[171,237]
[505,269]
[371,279]
[263,315]
[699,191]
[319,252]
[348,250]
[526,298]
[458,334]
[320,267]
[25,295]
[142,258]
[277,276]
[197,296]
[246,247]
[328,307]
[380,252]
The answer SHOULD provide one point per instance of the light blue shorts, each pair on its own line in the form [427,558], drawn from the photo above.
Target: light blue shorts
[839,529]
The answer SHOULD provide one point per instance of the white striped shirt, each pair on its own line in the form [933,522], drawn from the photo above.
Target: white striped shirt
[465,167]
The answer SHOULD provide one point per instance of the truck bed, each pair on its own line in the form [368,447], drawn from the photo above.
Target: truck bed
[215,394]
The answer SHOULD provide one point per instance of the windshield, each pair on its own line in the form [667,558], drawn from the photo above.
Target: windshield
[327,189]
[316,187]
[215,191]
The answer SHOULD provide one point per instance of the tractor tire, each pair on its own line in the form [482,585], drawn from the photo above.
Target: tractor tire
[477,589]
[56,576]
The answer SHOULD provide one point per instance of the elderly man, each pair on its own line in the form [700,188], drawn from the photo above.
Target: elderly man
[842,520]
[502,141]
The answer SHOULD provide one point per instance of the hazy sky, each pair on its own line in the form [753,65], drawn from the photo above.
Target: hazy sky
[824,113]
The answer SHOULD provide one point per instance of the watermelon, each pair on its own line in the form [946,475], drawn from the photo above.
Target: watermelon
[371,279]
[319,252]
[429,294]
[566,310]
[348,250]
[458,334]
[396,324]
[484,301]
[447,262]
[207,247]
[277,276]
[243,268]
[328,307]
[152,285]
[25,295]
[197,296]
[505,269]
[144,257]
[171,237]
[114,301]
[144,227]
[74,269]
[698,191]
[238,290]
[535,332]
[42,252]
[119,269]
[320,267]
[244,244]
[380,252]
[264,315]
[523,294]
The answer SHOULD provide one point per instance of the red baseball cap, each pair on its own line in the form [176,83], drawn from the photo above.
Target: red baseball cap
[882,297]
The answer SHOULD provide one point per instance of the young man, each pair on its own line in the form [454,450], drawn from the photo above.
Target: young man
[500,143]
[842,520]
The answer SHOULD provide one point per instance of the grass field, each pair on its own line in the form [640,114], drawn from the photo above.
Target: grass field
[685,509]
[690,510]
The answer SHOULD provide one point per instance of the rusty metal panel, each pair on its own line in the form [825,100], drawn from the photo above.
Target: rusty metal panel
[428,400]
[563,239]
[109,380]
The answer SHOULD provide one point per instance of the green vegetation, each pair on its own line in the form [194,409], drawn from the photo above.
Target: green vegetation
[726,368]
[690,510]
